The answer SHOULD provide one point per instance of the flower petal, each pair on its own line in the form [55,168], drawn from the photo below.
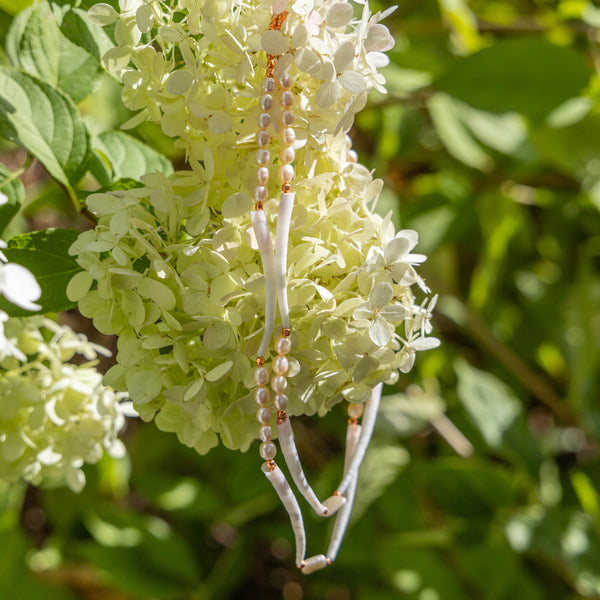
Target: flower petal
[20,287]
[380,331]
[381,295]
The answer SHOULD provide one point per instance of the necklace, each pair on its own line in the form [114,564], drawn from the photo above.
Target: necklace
[274,263]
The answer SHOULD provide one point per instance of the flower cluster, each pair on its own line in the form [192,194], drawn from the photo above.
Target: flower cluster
[54,416]
[173,267]
[195,67]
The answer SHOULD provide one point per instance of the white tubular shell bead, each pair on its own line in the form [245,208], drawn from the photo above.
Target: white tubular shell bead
[284,216]
[368,423]
[263,238]
[292,460]
[284,491]
[343,517]
[315,563]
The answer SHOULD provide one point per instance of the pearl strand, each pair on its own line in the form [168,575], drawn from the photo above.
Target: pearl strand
[279,384]
[262,397]
[287,135]
[263,137]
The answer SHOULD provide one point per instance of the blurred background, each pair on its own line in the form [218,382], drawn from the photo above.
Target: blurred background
[483,478]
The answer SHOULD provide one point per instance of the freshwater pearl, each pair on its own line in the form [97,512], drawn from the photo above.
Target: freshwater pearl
[262,396]
[287,118]
[283,345]
[262,157]
[265,433]
[262,175]
[267,450]
[264,120]
[286,99]
[286,173]
[264,415]
[266,102]
[263,138]
[287,155]
[288,136]
[281,401]
[260,193]
[268,84]
[279,384]
[280,365]
[261,376]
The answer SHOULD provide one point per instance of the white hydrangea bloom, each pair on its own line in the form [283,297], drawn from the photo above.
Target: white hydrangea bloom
[54,416]
[173,267]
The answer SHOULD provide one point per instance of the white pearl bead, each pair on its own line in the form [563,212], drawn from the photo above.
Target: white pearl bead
[286,173]
[262,396]
[286,99]
[279,384]
[262,175]
[267,450]
[262,156]
[283,345]
[264,415]
[348,142]
[352,156]
[287,118]
[285,81]
[280,365]
[281,402]
[260,193]
[265,433]
[287,155]
[268,84]
[288,136]
[266,102]
[261,376]
[355,411]
[264,120]
[263,138]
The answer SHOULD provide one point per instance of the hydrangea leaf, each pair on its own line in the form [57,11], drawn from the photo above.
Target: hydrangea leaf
[62,48]
[45,122]
[490,403]
[46,254]
[530,76]
[126,157]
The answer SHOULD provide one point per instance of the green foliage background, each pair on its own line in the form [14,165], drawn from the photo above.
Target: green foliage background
[489,143]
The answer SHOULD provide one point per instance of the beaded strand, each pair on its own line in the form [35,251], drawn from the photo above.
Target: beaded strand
[262,395]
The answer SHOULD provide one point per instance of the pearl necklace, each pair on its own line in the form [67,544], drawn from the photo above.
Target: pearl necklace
[274,262]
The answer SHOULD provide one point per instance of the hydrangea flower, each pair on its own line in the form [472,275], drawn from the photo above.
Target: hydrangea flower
[54,416]
[173,267]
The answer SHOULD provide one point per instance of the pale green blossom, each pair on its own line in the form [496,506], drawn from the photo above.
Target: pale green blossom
[173,267]
[54,416]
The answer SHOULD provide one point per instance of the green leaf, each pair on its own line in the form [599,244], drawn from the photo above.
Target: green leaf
[119,155]
[454,135]
[46,254]
[14,190]
[45,122]
[530,76]
[490,403]
[13,7]
[65,54]
[570,148]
